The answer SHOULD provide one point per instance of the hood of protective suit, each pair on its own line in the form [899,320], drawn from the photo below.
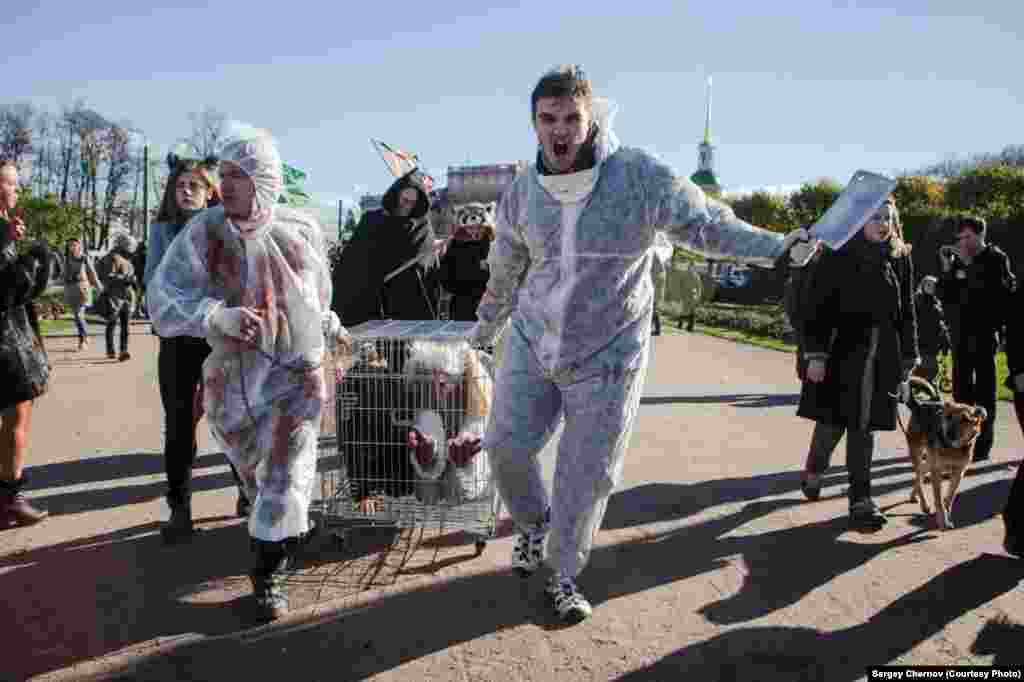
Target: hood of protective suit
[414,179]
[255,152]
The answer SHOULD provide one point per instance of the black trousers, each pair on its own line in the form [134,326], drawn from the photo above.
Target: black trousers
[123,316]
[860,450]
[974,382]
[1013,514]
[180,368]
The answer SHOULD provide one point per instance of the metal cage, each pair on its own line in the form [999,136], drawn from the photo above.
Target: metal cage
[402,375]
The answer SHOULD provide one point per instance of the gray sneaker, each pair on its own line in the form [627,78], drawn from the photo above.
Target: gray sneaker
[570,604]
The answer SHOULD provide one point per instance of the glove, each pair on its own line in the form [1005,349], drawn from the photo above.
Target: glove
[1018,382]
[237,322]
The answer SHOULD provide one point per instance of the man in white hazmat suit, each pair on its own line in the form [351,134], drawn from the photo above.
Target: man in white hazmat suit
[251,277]
[571,266]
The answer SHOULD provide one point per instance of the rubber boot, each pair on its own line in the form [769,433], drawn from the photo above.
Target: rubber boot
[270,567]
[14,506]
[179,526]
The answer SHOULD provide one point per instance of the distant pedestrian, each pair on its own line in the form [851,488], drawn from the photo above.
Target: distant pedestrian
[80,279]
[118,276]
[932,332]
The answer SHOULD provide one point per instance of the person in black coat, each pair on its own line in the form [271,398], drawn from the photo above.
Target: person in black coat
[977,282]
[464,270]
[1013,514]
[24,367]
[860,340]
[932,333]
[388,270]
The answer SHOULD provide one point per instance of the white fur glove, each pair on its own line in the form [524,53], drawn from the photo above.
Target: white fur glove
[333,330]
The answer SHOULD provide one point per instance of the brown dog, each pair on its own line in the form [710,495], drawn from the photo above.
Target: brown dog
[940,437]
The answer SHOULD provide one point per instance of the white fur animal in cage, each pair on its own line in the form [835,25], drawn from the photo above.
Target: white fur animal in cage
[450,368]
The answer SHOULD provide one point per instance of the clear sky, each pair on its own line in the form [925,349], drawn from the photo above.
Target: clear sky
[801,89]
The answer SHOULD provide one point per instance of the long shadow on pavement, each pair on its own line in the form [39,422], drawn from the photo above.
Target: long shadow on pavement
[127,589]
[94,596]
[109,468]
[356,643]
[1000,638]
[777,653]
[665,502]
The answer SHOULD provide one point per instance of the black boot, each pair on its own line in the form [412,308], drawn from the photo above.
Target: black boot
[179,526]
[14,506]
[270,567]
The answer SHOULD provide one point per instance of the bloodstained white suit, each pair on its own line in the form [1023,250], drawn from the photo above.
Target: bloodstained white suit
[263,403]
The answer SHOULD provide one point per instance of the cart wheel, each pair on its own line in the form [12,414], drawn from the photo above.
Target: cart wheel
[481,545]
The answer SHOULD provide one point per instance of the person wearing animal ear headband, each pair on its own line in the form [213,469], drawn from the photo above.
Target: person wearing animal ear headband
[570,266]
[251,277]
[191,189]
[464,265]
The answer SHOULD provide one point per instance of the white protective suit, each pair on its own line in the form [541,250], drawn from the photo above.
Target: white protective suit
[571,266]
[263,402]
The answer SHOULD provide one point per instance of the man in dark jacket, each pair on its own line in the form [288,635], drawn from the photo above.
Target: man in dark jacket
[932,333]
[1013,514]
[978,281]
[388,270]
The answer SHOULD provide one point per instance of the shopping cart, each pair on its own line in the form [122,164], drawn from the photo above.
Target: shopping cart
[402,375]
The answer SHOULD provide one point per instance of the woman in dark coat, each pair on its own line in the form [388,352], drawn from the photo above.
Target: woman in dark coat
[24,369]
[464,270]
[388,270]
[1013,514]
[860,343]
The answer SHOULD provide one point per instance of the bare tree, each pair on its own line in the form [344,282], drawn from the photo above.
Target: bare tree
[120,169]
[16,130]
[208,131]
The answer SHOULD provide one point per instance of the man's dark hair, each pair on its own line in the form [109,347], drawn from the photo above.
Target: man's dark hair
[973,223]
[567,80]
